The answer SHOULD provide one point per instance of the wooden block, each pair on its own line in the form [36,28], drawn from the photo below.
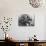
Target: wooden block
[25,44]
[41,44]
[44,44]
[17,44]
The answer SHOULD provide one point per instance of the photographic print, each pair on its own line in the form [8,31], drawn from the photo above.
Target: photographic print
[26,20]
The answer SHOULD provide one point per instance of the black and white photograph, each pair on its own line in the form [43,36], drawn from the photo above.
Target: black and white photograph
[26,20]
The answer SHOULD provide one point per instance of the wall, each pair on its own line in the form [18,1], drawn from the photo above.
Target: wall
[45,28]
[14,8]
